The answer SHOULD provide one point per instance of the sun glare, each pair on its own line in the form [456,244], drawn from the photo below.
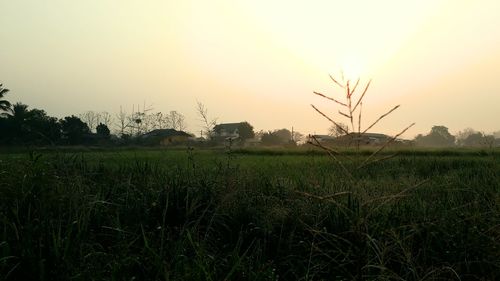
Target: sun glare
[352,68]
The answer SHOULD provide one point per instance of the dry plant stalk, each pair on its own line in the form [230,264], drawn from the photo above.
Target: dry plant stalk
[352,108]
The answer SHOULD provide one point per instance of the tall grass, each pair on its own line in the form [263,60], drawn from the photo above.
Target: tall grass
[210,216]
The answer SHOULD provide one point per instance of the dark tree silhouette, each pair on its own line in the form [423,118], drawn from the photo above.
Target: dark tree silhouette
[4,104]
[245,131]
[23,126]
[43,129]
[18,112]
[269,138]
[74,129]
[284,135]
[276,137]
[103,130]
[439,136]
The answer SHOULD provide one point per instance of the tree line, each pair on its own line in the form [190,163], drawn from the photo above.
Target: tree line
[20,125]
[439,136]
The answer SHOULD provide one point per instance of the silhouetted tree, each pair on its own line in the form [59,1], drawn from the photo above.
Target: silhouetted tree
[74,129]
[463,135]
[103,130]
[478,139]
[297,137]
[91,118]
[207,123]
[269,138]
[123,122]
[4,104]
[16,125]
[177,121]
[438,136]
[245,131]
[41,128]
[23,126]
[284,135]
[18,112]
[335,131]
[276,137]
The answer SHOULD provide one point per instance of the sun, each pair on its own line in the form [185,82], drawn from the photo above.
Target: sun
[352,68]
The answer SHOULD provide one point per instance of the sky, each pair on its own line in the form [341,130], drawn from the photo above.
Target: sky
[258,61]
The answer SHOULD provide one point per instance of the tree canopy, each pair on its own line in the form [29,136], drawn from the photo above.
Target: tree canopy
[245,131]
[439,136]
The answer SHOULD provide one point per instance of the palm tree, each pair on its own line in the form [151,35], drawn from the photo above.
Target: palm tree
[19,112]
[4,105]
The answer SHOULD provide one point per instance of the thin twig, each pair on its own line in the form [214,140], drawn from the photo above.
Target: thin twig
[332,99]
[340,85]
[329,119]
[380,118]
[363,95]
[355,86]
[384,146]
[345,115]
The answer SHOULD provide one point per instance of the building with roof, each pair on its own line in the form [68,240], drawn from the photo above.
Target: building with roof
[165,137]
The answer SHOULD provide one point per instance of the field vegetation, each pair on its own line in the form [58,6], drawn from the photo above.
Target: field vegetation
[191,214]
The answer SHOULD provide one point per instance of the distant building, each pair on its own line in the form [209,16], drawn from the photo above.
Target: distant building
[352,138]
[321,138]
[369,138]
[226,130]
[165,137]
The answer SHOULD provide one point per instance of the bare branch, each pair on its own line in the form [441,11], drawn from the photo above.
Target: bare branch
[329,119]
[345,115]
[332,99]
[366,162]
[355,86]
[336,82]
[363,95]
[380,118]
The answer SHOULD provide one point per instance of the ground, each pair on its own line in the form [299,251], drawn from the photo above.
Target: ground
[289,214]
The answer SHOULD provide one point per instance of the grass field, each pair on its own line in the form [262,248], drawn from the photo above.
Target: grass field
[149,214]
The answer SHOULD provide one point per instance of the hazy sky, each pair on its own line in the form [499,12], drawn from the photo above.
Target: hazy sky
[257,60]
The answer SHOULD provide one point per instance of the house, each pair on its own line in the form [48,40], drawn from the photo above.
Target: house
[353,138]
[165,137]
[226,130]
[321,138]
[369,138]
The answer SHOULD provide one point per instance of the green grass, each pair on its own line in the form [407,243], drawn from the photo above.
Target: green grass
[151,214]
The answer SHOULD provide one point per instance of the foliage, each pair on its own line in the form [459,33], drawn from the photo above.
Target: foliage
[4,104]
[245,131]
[438,137]
[469,137]
[276,137]
[103,130]
[74,130]
[23,126]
